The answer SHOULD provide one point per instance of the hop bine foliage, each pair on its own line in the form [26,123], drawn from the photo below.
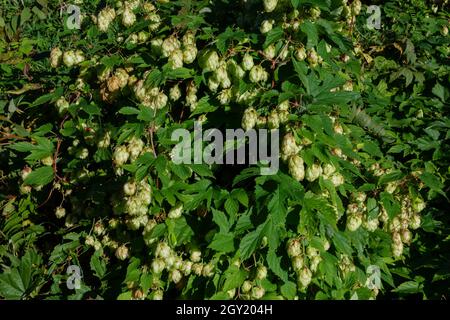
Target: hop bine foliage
[86,175]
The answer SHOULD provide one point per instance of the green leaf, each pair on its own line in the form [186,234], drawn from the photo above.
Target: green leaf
[158,231]
[129,111]
[310,29]
[397,148]
[11,286]
[273,35]
[26,268]
[267,285]
[439,91]
[373,149]
[244,223]
[188,20]
[342,243]
[363,294]
[23,146]
[223,242]
[25,15]
[410,52]
[91,109]
[295,3]
[180,73]
[146,114]
[246,174]
[203,106]
[329,268]
[429,224]
[41,15]
[220,296]
[432,182]
[232,207]
[289,290]
[179,231]
[322,4]
[224,38]
[277,208]
[340,97]
[154,78]
[48,97]
[202,170]
[146,281]
[44,144]
[40,176]
[221,220]
[98,265]
[372,208]
[302,70]
[181,170]
[251,241]
[409,287]
[133,270]
[392,206]
[274,263]
[241,196]
[235,277]
[393,176]
[128,295]
[111,60]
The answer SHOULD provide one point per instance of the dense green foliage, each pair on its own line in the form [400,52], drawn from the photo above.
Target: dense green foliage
[86,177]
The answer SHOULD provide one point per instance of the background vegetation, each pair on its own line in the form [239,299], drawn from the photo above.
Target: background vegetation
[86,178]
